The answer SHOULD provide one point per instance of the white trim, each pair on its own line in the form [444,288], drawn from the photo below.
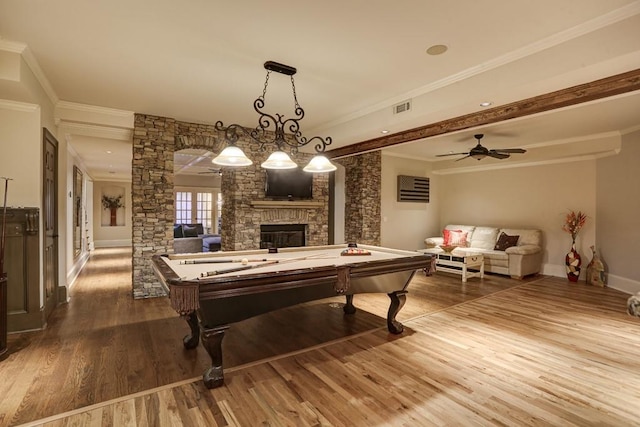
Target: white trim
[10,46]
[85,129]
[556,270]
[623,284]
[32,63]
[19,106]
[75,270]
[86,108]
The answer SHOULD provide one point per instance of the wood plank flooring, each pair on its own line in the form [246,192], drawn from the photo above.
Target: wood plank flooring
[489,352]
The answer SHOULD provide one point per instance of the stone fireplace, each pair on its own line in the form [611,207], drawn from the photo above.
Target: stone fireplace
[245,206]
[282,235]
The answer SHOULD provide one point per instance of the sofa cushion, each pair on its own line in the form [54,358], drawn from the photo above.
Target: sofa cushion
[484,238]
[177,231]
[506,241]
[190,230]
[211,243]
[527,236]
[468,228]
[454,237]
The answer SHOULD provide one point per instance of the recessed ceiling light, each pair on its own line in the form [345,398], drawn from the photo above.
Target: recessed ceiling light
[108,151]
[437,49]
[384,131]
[485,104]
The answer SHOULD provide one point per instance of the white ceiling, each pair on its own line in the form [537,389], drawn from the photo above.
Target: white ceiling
[202,61]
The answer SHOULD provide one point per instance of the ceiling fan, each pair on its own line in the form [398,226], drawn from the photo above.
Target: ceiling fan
[479,152]
[211,171]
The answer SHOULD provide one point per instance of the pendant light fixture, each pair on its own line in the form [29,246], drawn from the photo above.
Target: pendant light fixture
[271,131]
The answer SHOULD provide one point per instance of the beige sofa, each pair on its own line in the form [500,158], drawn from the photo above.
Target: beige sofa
[517,261]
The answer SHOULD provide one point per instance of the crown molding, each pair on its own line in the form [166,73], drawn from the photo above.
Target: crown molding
[19,106]
[10,46]
[94,109]
[32,63]
[84,129]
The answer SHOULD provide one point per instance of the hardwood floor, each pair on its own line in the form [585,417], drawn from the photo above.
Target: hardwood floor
[493,352]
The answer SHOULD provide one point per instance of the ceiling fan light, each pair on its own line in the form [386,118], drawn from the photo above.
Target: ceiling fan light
[232,156]
[319,164]
[279,160]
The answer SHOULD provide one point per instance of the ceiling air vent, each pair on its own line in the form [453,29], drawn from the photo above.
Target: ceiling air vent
[413,189]
[403,107]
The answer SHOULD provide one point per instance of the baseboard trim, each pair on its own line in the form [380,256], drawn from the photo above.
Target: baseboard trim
[623,284]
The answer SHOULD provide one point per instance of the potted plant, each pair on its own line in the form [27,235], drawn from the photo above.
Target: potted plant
[112,204]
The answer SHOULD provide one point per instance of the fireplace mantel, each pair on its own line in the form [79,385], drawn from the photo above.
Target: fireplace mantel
[286,204]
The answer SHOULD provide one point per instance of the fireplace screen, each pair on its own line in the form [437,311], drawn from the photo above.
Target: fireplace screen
[282,236]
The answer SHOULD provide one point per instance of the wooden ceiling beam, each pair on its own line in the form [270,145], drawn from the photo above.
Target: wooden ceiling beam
[598,89]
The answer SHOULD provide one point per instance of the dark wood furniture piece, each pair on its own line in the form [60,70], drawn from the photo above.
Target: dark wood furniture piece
[301,274]
[22,266]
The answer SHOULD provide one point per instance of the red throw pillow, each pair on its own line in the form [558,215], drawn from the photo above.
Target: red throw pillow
[454,237]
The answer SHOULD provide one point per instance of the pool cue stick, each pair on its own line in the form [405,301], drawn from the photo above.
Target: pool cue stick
[218,261]
[233,269]
[248,267]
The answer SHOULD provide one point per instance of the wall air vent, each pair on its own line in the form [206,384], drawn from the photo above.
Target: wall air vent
[403,107]
[413,189]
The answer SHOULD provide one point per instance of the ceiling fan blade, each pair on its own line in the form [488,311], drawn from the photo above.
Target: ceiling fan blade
[510,150]
[452,154]
[462,158]
[496,155]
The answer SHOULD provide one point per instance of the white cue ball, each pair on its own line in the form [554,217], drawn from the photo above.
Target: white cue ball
[244,261]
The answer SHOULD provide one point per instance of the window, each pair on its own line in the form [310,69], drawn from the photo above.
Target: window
[197,207]
[183,207]
[204,207]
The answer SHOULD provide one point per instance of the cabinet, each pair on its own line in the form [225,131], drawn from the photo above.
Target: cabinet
[22,264]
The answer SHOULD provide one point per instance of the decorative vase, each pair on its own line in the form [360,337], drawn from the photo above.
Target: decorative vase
[595,270]
[114,212]
[573,263]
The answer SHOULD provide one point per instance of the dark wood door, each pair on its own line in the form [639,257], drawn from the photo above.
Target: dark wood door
[50,222]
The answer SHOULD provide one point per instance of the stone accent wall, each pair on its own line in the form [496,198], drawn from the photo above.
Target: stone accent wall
[154,142]
[363,190]
[242,186]
[152,198]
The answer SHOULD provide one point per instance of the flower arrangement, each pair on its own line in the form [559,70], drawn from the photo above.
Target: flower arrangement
[112,202]
[573,223]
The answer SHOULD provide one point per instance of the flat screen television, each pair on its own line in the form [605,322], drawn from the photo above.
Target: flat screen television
[291,184]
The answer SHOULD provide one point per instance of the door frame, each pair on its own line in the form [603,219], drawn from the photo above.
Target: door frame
[51,303]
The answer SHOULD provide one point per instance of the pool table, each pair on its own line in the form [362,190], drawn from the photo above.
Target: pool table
[214,290]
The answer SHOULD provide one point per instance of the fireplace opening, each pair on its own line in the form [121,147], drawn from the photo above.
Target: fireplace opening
[282,235]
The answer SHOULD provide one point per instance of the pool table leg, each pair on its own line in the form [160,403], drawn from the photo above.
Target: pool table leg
[212,342]
[398,299]
[349,308]
[192,340]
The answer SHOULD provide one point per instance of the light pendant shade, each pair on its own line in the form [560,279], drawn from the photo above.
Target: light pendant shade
[232,156]
[279,160]
[320,164]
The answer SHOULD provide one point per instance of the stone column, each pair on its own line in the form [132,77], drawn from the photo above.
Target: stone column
[363,189]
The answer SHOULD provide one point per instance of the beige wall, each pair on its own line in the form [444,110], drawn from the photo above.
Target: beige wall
[526,197]
[406,225]
[20,152]
[618,214]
